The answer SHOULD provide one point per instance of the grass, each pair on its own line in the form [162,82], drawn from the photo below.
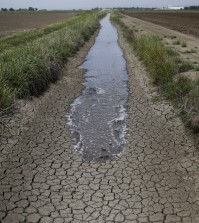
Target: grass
[183,44]
[185,66]
[176,42]
[22,38]
[179,42]
[28,70]
[190,51]
[163,65]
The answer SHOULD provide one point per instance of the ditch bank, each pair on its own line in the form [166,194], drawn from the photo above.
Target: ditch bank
[43,180]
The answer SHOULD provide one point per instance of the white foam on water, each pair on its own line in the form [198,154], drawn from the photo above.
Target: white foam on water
[122,128]
[100,91]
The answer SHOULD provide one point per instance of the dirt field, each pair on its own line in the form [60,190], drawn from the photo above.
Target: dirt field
[188,53]
[185,22]
[15,22]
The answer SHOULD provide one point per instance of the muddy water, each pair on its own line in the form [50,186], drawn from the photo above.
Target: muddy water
[97,118]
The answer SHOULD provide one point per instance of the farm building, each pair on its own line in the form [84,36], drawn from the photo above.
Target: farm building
[171,7]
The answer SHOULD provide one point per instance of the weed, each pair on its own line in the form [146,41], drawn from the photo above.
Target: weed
[196,68]
[176,42]
[185,66]
[190,51]
[157,58]
[183,44]
[178,89]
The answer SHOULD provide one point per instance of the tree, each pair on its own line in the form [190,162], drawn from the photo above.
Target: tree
[11,9]
[4,9]
[31,9]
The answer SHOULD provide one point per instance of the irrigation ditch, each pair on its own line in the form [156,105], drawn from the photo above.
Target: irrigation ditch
[43,179]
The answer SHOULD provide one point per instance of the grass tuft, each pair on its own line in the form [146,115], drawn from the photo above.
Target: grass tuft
[183,44]
[176,42]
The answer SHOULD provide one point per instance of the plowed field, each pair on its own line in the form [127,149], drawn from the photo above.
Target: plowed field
[185,22]
[19,21]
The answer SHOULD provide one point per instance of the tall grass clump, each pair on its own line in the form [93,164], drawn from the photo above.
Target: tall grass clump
[28,70]
[160,63]
[191,107]
[127,32]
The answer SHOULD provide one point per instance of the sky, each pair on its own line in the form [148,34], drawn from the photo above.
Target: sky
[88,4]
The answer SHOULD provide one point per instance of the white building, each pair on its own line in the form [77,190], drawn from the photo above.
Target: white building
[171,7]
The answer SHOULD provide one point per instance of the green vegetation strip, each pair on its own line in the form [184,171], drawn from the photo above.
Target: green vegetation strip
[28,70]
[165,67]
[18,39]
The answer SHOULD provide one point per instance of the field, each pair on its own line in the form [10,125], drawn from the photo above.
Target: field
[185,22]
[20,21]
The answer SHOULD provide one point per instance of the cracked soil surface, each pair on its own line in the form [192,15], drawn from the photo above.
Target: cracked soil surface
[42,179]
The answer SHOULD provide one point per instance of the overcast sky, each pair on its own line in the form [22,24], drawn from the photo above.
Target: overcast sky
[87,4]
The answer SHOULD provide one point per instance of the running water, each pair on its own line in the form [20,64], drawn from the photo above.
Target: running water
[97,118]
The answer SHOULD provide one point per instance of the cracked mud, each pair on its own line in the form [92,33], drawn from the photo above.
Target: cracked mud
[43,180]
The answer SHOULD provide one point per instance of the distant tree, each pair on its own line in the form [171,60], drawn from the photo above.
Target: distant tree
[4,9]
[31,9]
[11,9]
[192,8]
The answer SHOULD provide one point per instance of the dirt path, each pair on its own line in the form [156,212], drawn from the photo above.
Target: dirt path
[43,180]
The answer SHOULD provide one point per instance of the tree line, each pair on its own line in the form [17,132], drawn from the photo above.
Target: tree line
[20,9]
[192,8]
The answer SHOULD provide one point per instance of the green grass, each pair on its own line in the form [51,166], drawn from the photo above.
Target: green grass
[28,70]
[183,44]
[16,40]
[176,42]
[190,51]
[185,66]
[164,66]
[127,32]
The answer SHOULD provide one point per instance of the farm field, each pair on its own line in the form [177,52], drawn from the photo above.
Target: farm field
[11,23]
[185,22]
[173,38]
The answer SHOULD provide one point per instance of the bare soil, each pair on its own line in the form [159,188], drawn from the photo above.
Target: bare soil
[11,23]
[185,22]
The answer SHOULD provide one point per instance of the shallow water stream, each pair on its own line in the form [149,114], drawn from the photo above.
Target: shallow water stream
[97,118]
